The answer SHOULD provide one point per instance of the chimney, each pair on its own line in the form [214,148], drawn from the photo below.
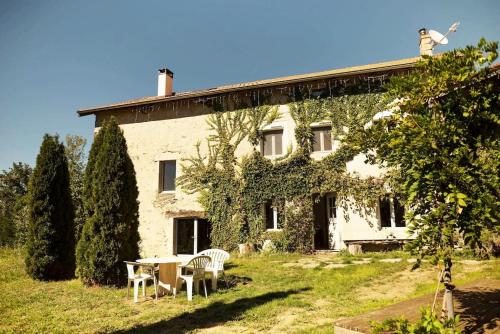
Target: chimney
[426,44]
[165,82]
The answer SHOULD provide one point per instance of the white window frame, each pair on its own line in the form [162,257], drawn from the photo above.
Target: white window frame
[323,124]
[392,210]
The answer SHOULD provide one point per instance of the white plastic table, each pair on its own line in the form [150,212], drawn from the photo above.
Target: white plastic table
[169,268]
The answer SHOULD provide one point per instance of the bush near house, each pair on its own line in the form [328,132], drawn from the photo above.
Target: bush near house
[50,246]
[110,232]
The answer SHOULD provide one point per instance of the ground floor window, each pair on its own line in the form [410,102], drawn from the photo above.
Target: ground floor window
[273,217]
[192,235]
[391,212]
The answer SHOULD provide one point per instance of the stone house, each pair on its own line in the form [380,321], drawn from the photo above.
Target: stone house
[162,130]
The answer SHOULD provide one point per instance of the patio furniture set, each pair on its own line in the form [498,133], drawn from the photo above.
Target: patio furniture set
[174,270]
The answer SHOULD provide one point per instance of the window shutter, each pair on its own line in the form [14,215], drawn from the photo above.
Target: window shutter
[322,138]
[278,142]
[327,139]
[317,140]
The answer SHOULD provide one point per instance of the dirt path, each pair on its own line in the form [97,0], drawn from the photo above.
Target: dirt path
[477,303]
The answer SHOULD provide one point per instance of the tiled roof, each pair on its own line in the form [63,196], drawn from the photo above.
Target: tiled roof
[355,70]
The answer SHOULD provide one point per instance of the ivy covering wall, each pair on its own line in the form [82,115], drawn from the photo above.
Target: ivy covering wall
[233,190]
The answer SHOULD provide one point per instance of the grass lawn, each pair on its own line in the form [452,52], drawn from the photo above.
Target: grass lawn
[286,293]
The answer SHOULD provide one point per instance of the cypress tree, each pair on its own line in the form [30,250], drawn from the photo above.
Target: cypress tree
[110,232]
[51,245]
[88,207]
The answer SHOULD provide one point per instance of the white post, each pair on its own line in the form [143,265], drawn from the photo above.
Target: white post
[195,237]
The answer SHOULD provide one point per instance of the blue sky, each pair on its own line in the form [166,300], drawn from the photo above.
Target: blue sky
[58,56]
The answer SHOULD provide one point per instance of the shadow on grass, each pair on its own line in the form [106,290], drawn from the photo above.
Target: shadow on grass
[229,265]
[232,281]
[212,315]
[479,309]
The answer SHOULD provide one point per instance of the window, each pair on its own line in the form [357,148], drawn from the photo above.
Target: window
[273,217]
[322,138]
[385,212]
[272,142]
[167,175]
[399,213]
[391,213]
[331,207]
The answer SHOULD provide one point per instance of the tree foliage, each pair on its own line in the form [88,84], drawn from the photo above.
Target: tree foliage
[350,113]
[443,148]
[50,247]
[110,232]
[298,227]
[304,113]
[216,177]
[75,154]
[13,196]
[87,202]
[257,118]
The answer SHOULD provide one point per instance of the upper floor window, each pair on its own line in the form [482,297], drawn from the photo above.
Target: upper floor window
[167,175]
[391,213]
[322,138]
[272,143]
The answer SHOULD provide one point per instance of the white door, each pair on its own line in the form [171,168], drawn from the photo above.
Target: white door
[334,229]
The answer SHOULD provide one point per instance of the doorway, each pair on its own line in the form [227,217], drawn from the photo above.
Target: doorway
[192,235]
[327,232]
[334,227]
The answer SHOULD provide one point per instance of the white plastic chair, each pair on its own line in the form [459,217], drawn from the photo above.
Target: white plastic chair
[195,272]
[216,267]
[147,272]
